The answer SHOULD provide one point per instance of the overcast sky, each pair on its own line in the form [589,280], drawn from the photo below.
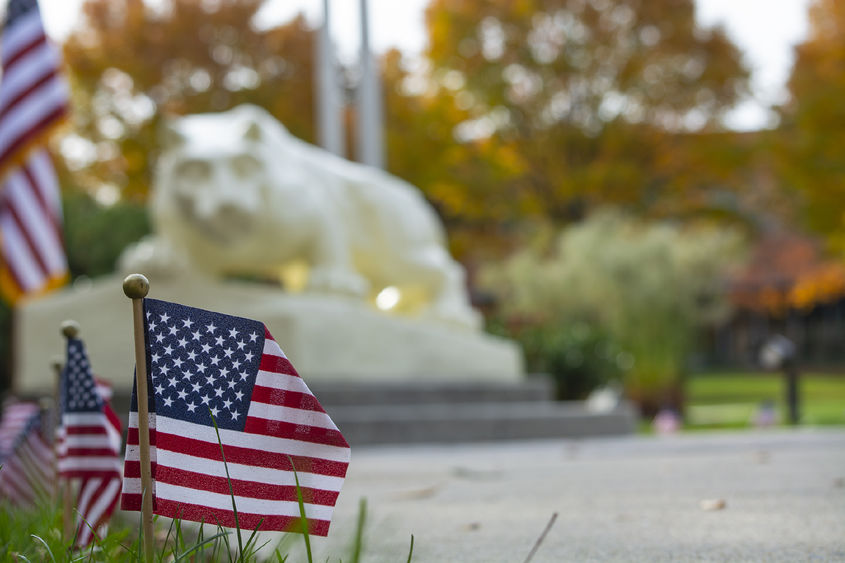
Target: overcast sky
[766,30]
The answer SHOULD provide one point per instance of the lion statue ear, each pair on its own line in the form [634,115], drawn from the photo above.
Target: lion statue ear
[253,132]
[171,137]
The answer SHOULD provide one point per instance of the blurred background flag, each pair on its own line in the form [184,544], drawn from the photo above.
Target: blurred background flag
[201,364]
[28,471]
[88,442]
[33,100]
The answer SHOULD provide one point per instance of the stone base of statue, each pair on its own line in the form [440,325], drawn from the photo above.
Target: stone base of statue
[327,337]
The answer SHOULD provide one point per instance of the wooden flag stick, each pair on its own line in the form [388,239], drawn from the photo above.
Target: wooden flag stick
[70,329]
[55,418]
[136,287]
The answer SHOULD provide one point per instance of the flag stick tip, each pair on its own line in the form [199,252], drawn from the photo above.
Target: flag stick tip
[70,329]
[136,286]
[57,363]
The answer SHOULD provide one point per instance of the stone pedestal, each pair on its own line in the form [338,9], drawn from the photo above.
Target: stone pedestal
[327,337]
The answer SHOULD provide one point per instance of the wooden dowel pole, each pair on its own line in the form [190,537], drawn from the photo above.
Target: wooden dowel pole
[136,287]
[55,418]
[67,508]
[70,329]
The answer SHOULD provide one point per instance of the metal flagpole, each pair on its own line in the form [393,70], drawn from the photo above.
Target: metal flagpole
[370,117]
[329,100]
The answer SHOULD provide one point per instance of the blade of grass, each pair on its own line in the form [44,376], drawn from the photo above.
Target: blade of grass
[302,518]
[411,550]
[248,545]
[358,544]
[166,539]
[541,538]
[226,541]
[231,490]
[198,546]
[47,547]
[179,539]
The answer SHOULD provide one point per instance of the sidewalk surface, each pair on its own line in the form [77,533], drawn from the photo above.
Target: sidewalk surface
[617,499]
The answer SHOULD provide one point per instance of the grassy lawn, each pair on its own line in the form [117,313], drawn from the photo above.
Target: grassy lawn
[731,400]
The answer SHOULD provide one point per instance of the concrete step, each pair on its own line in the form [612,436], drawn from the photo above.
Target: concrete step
[472,422]
[346,393]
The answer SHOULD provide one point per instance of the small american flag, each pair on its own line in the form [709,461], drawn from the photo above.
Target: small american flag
[88,442]
[28,471]
[203,364]
[33,100]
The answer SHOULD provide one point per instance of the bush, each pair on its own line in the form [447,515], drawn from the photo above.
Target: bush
[578,357]
[645,287]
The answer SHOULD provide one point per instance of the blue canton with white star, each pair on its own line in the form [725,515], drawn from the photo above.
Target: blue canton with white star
[78,392]
[201,363]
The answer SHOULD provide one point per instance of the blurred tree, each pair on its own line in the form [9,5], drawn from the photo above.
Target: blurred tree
[132,63]
[457,177]
[559,105]
[812,135]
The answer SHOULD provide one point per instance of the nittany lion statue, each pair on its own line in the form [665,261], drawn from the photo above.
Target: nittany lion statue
[236,194]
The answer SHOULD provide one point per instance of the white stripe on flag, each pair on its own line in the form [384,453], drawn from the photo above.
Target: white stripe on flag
[247,505]
[37,105]
[252,473]
[281,381]
[290,414]
[257,442]
[92,512]
[83,419]
[87,441]
[92,463]
[26,30]
[17,253]
[39,225]
[272,348]
[26,71]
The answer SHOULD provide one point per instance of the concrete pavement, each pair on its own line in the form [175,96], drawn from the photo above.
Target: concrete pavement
[618,499]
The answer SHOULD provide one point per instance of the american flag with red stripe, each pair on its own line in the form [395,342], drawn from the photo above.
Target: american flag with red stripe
[33,100]
[202,364]
[28,471]
[88,442]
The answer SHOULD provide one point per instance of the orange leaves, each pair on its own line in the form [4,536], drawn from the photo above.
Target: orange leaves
[787,271]
[190,57]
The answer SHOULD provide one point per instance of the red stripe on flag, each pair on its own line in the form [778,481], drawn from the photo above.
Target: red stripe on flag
[248,456]
[10,105]
[291,431]
[85,473]
[132,469]
[246,521]
[286,398]
[17,55]
[38,193]
[33,132]
[88,452]
[132,436]
[27,237]
[277,364]
[243,488]
[72,430]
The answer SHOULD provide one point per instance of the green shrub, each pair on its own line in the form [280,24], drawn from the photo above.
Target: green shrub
[645,287]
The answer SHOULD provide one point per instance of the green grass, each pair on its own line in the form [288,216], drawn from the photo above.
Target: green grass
[35,534]
[730,400]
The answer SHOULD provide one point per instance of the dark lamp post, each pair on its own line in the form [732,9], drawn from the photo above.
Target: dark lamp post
[779,352]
